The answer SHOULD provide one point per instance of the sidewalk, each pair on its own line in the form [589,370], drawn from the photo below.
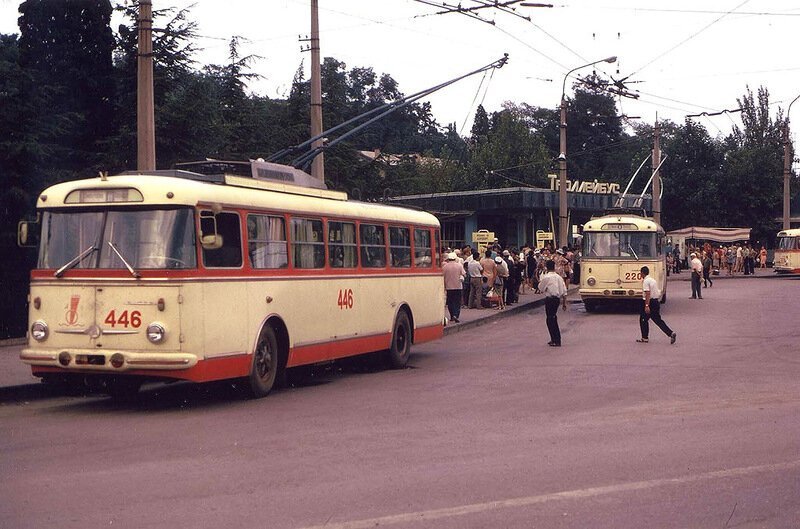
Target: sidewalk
[763,273]
[470,318]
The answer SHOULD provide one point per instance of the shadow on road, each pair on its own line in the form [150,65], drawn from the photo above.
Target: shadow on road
[181,395]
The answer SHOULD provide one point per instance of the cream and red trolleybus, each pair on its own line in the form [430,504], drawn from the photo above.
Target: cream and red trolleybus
[615,247]
[787,252]
[206,277]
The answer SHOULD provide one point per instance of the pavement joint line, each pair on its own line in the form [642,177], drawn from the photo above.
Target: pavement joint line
[525,501]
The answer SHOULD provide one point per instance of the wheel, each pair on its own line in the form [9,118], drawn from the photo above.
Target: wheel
[123,389]
[590,305]
[400,348]
[264,370]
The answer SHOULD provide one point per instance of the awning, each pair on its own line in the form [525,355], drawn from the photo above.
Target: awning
[712,234]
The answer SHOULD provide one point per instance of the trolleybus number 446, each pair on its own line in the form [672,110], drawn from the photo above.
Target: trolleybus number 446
[134,319]
[345,299]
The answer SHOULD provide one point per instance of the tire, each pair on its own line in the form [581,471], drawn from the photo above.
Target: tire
[265,365]
[590,305]
[400,348]
[123,389]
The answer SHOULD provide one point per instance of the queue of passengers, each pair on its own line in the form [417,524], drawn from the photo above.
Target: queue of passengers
[496,278]
[732,259]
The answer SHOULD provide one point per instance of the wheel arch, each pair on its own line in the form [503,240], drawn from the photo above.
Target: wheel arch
[404,307]
[281,334]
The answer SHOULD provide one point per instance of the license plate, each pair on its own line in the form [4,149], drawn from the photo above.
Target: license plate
[617,292]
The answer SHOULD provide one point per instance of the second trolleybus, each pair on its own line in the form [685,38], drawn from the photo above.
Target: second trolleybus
[615,247]
[787,252]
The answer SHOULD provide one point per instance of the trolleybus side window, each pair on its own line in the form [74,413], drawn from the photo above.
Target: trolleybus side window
[422,248]
[342,244]
[267,246]
[400,247]
[229,254]
[373,246]
[308,245]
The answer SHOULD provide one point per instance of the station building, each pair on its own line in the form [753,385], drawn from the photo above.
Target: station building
[519,215]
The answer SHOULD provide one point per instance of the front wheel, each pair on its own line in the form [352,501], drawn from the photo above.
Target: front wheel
[123,388]
[264,369]
[590,305]
[400,348]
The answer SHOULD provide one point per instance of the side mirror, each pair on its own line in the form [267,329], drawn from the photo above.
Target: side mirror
[211,242]
[210,239]
[28,233]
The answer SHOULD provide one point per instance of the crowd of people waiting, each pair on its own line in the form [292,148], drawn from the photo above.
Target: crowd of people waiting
[496,277]
[730,259]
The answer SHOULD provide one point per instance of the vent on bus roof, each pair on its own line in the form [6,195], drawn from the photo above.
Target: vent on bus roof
[257,169]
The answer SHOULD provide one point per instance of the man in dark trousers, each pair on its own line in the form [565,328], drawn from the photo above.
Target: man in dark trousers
[651,309]
[555,291]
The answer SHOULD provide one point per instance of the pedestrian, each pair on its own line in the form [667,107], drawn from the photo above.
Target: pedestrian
[707,263]
[475,272]
[762,257]
[500,279]
[651,309]
[555,290]
[697,272]
[453,277]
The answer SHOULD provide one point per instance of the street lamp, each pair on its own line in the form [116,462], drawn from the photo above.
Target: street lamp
[787,169]
[563,227]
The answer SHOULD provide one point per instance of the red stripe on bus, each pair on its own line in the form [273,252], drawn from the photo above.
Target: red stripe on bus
[426,334]
[322,352]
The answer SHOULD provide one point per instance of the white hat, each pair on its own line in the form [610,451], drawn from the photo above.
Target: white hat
[451,256]
[560,251]
[692,254]
[498,259]
[506,252]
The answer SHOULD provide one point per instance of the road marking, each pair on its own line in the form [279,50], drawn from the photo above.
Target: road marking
[474,508]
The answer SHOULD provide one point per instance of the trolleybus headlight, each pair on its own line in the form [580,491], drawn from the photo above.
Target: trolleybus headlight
[39,331]
[156,333]
[591,281]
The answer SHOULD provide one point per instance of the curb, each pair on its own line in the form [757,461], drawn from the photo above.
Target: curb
[9,342]
[500,314]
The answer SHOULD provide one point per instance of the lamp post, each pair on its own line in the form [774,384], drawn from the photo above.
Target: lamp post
[787,169]
[563,227]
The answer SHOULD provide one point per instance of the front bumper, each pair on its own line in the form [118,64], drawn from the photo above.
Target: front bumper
[100,360]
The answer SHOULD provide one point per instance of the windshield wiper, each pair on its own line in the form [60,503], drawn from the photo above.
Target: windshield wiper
[75,260]
[633,252]
[133,272]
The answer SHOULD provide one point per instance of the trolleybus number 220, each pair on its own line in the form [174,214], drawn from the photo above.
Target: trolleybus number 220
[630,276]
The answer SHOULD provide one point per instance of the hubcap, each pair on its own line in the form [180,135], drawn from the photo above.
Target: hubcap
[264,360]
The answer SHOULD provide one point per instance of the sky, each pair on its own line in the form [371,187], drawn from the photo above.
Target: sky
[681,57]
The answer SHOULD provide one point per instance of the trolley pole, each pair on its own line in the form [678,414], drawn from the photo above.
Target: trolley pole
[318,165]
[145,109]
[656,202]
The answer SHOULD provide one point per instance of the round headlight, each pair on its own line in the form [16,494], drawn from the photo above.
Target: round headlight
[591,281]
[39,331]
[156,333]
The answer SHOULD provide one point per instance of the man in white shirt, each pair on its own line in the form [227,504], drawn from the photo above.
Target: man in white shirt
[552,286]
[651,309]
[697,272]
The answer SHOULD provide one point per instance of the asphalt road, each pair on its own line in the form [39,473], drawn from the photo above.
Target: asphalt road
[488,428]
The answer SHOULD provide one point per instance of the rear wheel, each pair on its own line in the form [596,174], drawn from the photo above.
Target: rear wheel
[264,369]
[400,348]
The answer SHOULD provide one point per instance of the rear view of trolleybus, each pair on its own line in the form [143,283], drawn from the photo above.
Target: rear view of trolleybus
[208,277]
[615,248]
[787,252]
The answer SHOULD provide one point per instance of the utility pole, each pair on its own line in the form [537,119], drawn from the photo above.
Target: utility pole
[563,221]
[145,109]
[656,202]
[787,169]
[318,165]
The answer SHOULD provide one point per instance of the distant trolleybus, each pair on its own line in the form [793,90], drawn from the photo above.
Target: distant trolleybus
[787,253]
[615,247]
[210,277]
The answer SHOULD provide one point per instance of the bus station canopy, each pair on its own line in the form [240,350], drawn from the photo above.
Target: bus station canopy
[712,234]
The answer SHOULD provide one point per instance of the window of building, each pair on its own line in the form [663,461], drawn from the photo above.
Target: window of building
[266,236]
[342,249]
[308,246]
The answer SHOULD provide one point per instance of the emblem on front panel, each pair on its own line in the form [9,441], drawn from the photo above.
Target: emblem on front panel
[72,312]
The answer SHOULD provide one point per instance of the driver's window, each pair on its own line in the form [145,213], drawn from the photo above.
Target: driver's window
[229,255]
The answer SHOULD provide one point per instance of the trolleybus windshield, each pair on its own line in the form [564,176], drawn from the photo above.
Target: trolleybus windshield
[789,243]
[619,245]
[111,239]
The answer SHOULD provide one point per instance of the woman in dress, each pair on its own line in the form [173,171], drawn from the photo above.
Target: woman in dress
[762,255]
